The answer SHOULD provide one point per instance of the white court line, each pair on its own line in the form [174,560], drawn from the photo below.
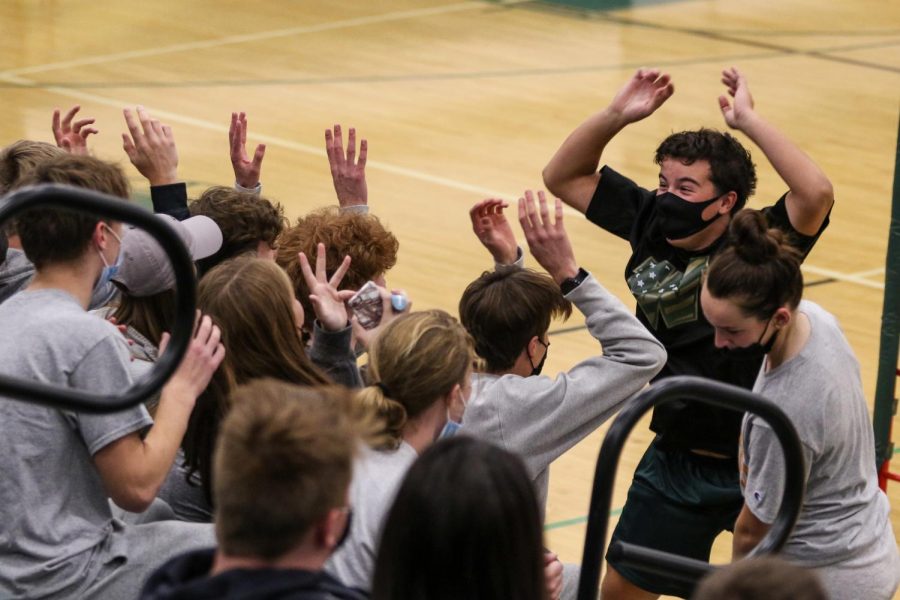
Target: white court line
[869,273]
[253,37]
[845,277]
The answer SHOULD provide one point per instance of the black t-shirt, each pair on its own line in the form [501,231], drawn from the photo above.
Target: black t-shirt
[666,283]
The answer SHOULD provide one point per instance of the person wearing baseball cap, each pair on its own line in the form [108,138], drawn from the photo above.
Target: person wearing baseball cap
[146,284]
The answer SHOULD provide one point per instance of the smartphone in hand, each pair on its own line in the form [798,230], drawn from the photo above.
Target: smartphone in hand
[367,305]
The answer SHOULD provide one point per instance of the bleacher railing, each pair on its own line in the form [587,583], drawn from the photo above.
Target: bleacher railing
[101,205]
[680,568]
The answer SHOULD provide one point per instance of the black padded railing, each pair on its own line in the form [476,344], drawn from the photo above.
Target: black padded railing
[681,568]
[81,200]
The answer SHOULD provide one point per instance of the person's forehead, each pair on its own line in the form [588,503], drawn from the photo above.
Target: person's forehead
[673,169]
[720,312]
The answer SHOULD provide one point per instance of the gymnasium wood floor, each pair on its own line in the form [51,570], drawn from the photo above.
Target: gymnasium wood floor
[466,100]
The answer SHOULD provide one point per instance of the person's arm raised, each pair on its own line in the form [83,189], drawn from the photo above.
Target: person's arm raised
[572,172]
[811,194]
[132,468]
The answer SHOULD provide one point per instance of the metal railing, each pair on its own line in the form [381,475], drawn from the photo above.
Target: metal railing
[676,567]
[82,200]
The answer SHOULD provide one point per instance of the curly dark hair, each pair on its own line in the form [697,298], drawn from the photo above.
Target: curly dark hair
[371,247]
[729,162]
[245,218]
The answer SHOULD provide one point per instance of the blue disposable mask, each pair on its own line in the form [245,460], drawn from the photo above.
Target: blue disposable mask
[109,270]
[449,429]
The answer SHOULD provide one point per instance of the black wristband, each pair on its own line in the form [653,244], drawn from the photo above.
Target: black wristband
[569,285]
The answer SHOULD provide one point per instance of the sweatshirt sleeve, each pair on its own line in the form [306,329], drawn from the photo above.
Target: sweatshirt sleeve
[331,351]
[542,417]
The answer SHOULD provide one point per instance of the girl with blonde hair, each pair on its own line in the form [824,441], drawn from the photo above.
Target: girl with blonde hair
[419,367]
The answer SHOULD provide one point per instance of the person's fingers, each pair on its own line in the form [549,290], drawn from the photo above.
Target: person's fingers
[363,153]
[351,146]
[307,271]
[338,144]
[77,125]
[157,128]
[55,125]
[231,128]
[218,356]
[128,146]
[204,330]
[163,343]
[144,118]
[523,216]
[321,266]
[215,337]
[259,155]
[167,133]
[67,120]
[243,120]
[544,210]
[345,295]
[84,133]
[558,213]
[133,126]
[338,276]
[234,138]
[724,105]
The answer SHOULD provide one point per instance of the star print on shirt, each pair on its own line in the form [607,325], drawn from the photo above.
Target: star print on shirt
[670,294]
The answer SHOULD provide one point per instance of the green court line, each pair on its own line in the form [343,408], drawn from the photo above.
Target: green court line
[576,521]
[896,450]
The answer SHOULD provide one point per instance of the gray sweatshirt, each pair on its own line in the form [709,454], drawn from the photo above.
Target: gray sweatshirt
[539,418]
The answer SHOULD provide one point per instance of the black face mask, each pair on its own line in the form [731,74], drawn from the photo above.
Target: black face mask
[679,218]
[536,370]
[754,352]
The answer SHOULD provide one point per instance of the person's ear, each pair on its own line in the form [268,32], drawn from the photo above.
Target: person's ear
[782,317]
[100,235]
[330,528]
[728,202]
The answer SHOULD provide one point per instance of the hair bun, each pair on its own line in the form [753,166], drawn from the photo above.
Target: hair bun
[751,238]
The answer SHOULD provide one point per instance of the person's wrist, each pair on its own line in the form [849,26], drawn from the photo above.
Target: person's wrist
[505,257]
[163,178]
[564,272]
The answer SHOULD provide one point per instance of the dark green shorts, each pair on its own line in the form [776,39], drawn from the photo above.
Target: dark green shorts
[679,502]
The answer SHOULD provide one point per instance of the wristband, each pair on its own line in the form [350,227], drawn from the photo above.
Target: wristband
[568,285]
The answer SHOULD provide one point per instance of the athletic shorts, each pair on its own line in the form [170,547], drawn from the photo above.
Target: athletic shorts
[678,502]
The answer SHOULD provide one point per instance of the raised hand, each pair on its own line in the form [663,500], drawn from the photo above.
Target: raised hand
[737,114]
[646,91]
[327,301]
[347,172]
[151,147]
[246,171]
[204,355]
[547,240]
[493,230]
[72,137]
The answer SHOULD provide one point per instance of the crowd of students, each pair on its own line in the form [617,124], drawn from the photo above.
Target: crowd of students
[301,450]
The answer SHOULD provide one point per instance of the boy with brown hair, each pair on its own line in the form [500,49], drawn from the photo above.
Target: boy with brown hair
[250,223]
[58,536]
[283,465]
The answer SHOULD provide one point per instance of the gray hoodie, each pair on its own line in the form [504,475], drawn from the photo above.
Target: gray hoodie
[539,418]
